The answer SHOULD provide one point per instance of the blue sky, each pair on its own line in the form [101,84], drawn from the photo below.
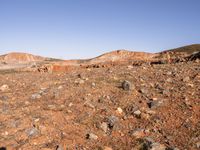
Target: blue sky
[86,28]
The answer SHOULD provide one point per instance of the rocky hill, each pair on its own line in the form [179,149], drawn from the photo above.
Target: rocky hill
[20,58]
[187,49]
[121,55]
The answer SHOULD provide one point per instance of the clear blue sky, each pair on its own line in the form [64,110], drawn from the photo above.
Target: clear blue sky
[86,28]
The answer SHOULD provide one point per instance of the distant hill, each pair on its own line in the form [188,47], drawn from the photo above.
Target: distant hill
[19,58]
[187,49]
[121,55]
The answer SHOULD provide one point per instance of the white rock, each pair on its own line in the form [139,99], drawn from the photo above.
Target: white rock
[4,88]
[92,136]
[104,126]
[119,110]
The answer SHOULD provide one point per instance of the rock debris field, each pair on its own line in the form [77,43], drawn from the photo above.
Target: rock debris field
[121,100]
[148,107]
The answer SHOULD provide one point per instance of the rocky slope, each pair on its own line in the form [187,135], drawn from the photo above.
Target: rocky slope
[187,49]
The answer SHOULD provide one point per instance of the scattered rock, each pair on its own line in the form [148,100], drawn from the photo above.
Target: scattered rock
[130,66]
[32,132]
[4,88]
[137,133]
[144,91]
[3,98]
[126,85]
[154,104]
[93,84]
[112,121]
[70,104]
[169,80]
[186,79]
[36,96]
[104,126]
[157,146]
[60,87]
[107,148]
[43,91]
[91,136]
[51,107]
[59,147]
[56,94]
[89,104]
[198,144]
[149,144]
[169,73]
[119,110]
[79,81]
[137,113]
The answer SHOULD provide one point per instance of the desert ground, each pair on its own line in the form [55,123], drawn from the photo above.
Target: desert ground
[118,101]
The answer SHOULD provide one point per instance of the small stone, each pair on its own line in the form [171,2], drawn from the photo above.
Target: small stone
[36,96]
[138,133]
[6,133]
[3,98]
[169,73]
[62,106]
[154,104]
[37,120]
[186,79]
[56,94]
[169,80]
[4,88]
[107,148]
[198,144]
[51,107]
[144,91]
[137,113]
[43,91]
[112,121]
[27,102]
[59,147]
[130,67]
[119,110]
[191,85]
[104,126]
[70,104]
[154,98]
[93,84]
[157,146]
[149,144]
[126,85]
[32,132]
[79,81]
[91,136]
[60,87]
[89,104]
